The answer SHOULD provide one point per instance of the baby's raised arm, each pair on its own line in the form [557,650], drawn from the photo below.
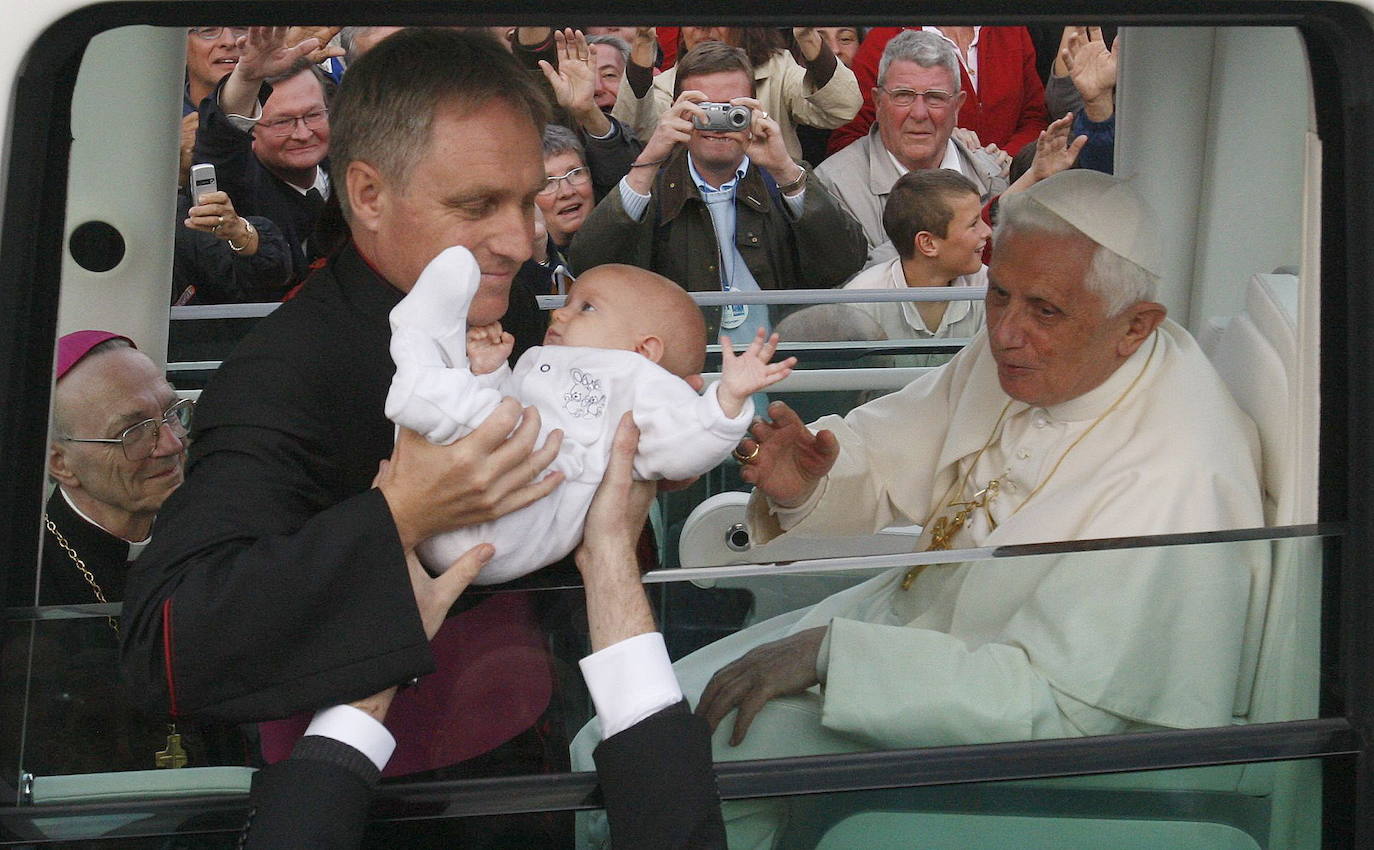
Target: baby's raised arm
[488,348]
[749,372]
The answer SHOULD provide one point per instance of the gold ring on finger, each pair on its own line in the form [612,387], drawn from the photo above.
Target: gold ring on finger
[746,458]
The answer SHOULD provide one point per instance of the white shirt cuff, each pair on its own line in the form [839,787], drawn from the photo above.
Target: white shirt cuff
[795,203]
[610,134]
[356,728]
[788,518]
[634,203]
[245,123]
[630,681]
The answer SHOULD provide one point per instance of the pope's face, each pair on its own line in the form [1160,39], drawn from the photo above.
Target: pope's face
[1051,338]
[474,186]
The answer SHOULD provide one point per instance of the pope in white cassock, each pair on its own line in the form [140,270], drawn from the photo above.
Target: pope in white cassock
[1080,413]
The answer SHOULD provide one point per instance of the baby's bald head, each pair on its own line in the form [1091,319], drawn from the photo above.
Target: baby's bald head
[635,309]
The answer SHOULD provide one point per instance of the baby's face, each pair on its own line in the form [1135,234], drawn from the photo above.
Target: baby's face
[598,314]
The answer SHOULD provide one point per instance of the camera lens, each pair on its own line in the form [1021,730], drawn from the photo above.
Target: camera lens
[739,117]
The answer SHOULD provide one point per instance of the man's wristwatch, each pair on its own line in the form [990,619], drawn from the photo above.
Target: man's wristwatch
[795,184]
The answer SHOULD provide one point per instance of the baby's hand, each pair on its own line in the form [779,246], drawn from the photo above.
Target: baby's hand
[488,348]
[749,372]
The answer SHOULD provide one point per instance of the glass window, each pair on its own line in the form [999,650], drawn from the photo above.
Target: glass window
[938,620]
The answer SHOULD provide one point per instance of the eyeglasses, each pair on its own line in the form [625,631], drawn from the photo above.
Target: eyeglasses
[577,177]
[935,98]
[139,440]
[212,33]
[316,120]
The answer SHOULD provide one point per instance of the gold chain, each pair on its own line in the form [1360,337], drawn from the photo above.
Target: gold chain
[81,565]
[943,531]
[175,754]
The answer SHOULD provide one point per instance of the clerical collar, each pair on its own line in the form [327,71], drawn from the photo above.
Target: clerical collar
[706,188]
[68,499]
[1091,404]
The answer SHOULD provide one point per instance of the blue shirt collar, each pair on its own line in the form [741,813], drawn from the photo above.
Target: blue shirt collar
[705,187]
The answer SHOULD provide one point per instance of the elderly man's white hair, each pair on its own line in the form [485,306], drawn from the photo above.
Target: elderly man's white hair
[1106,211]
[927,49]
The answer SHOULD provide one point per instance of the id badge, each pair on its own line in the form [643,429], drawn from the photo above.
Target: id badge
[733,315]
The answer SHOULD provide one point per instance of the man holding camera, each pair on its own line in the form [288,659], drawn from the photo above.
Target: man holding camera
[716,203]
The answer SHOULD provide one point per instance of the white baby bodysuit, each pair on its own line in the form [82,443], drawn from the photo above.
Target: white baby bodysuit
[583,391]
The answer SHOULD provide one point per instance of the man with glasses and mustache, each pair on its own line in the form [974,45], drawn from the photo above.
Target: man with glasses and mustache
[918,100]
[265,128]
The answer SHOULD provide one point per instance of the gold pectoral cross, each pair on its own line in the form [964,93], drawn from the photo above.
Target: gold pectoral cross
[174,755]
[943,530]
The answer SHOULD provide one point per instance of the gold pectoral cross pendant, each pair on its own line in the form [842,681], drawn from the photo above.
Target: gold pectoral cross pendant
[174,755]
[943,530]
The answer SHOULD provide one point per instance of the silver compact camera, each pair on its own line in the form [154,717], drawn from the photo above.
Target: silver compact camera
[723,118]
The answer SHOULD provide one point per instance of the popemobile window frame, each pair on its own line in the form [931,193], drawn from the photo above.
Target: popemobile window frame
[1338,38]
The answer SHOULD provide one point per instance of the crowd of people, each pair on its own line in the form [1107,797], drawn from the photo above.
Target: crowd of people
[257,109]
[408,192]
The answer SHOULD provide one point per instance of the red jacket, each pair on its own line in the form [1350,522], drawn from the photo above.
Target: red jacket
[1007,109]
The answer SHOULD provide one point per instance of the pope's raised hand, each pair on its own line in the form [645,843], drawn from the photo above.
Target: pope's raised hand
[790,460]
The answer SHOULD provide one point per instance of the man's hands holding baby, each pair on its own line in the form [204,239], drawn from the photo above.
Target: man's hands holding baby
[749,372]
[487,474]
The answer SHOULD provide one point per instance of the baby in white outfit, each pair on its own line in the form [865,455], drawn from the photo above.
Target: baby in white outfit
[624,341]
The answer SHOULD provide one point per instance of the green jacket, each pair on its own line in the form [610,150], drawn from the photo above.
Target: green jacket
[822,248]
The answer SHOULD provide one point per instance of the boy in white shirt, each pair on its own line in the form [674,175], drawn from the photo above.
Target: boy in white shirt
[934,218]
[625,340]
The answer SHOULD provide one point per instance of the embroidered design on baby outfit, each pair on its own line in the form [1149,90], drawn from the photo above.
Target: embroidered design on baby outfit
[584,399]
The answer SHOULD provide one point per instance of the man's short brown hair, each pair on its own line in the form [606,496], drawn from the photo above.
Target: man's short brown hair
[385,108]
[712,57]
[919,201]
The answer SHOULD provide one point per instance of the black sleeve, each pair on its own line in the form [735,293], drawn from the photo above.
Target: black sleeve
[318,798]
[658,785]
[221,276]
[255,602]
[275,581]
[230,151]
[609,159]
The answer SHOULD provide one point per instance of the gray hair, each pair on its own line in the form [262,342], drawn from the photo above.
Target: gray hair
[1113,278]
[559,139]
[384,111]
[927,49]
[622,47]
